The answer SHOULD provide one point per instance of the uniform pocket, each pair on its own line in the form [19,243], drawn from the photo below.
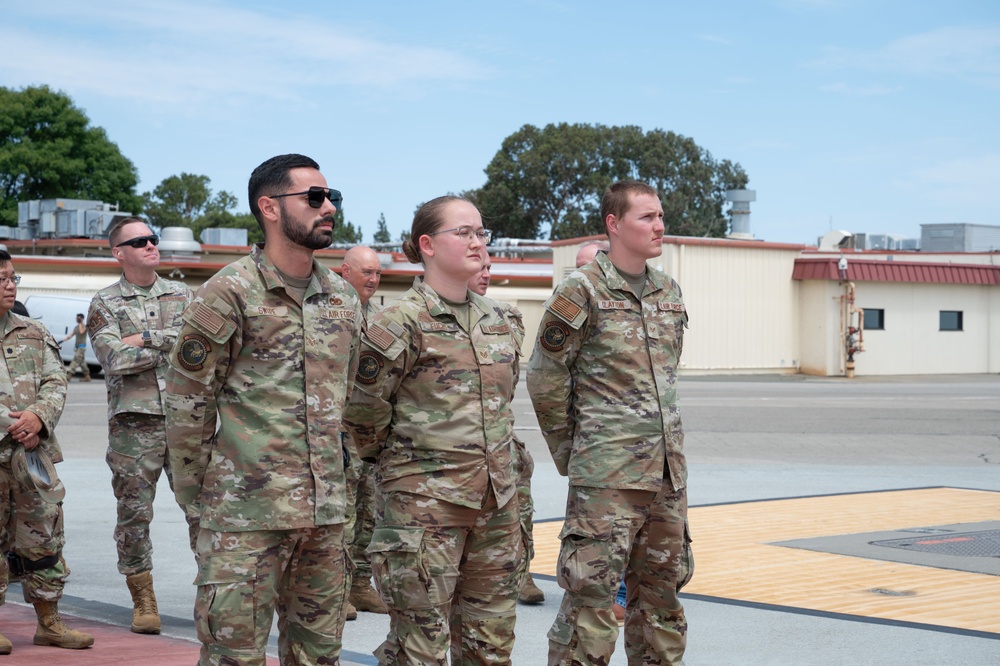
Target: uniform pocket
[592,559]
[686,569]
[396,555]
[226,600]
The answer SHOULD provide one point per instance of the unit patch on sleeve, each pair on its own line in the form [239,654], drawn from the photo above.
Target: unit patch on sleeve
[369,366]
[554,336]
[193,351]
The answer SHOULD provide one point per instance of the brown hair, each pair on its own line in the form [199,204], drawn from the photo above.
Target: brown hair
[617,199]
[115,234]
[426,220]
[271,177]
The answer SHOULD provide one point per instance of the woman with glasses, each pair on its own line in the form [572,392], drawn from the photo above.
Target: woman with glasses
[431,408]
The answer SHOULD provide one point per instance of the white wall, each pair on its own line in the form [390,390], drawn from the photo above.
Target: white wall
[912,342]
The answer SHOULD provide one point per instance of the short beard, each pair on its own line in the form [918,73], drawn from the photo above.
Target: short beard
[312,239]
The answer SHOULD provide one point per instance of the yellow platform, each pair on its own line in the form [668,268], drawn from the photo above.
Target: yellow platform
[734,558]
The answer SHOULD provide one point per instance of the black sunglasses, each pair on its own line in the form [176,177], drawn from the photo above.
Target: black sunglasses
[140,242]
[316,195]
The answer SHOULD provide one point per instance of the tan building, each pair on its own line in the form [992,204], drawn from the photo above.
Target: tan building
[754,307]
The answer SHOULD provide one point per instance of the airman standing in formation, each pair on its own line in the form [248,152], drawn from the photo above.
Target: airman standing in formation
[431,406]
[32,396]
[602,379]
[133,323]
[259,379]
[523,463]
[362,270]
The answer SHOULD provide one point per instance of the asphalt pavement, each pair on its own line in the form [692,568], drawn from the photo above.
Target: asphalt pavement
[759,449]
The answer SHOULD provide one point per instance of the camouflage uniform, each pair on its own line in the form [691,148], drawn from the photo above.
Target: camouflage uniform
[137,442]
[269,486]
[361,495]
[79,355]
[31,378]
[431,404]
[603,383]
[524,467]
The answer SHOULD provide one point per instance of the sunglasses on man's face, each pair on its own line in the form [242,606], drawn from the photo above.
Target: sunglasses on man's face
[315,196]
[140,242]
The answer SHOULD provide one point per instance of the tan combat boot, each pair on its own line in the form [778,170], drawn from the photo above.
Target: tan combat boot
[365,598]
[53,632]
[5,646]
[145,615]
[530,593]
[350,612]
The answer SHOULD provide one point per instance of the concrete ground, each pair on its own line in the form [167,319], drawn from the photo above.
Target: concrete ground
[750,440]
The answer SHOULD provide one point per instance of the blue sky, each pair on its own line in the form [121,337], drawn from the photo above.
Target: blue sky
[872,116]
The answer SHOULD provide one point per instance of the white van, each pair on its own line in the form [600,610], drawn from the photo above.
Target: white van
[58,313]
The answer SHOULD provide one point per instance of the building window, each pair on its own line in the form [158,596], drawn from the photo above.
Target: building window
[874,319]
[951,320]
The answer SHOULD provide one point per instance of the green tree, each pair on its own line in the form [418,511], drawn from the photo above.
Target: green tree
[344,232]
[382,232]
[48,149]
[552,179]
[187,200]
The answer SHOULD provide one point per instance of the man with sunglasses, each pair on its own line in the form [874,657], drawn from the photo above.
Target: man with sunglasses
[256,390]
[133,323]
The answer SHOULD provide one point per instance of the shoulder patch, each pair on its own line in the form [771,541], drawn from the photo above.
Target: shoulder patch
[369,366]
[380,337]
[206,318]
[96,322]
[565,308]
[194,349]
[554,336]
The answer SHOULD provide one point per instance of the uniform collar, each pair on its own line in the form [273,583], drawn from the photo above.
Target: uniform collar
[319,281]
[615,280]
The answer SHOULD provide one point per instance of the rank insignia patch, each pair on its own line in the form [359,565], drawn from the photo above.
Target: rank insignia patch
[554,336]
[369,365]
[193,351]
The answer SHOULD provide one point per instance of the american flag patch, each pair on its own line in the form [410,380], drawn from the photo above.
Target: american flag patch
[565,308]
[381,338]
[207,319]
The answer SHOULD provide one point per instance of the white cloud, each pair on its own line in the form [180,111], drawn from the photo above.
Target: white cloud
[195,52]
[860,91]
[715,39]
[967,181]
[971,53]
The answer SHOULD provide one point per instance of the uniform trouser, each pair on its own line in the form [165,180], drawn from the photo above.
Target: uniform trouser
[79,361]
[137,454]
[425,553]
[243,577]
[608,531]
[33,529]
[524,467]
[360,516]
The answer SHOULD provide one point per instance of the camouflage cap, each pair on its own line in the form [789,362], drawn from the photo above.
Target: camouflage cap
[35,468]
